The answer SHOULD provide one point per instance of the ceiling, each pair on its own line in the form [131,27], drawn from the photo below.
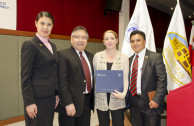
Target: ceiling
[187,6]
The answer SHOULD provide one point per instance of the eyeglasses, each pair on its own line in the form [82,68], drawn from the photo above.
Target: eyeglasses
[80,37]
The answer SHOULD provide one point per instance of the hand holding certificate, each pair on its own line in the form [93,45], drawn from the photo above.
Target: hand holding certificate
[109,80]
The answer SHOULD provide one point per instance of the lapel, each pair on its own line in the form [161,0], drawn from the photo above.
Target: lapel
[102,62]
[130,62]
[44,48]
[54,50]
[90,59]
[145,62]
[117,61]
[75,55]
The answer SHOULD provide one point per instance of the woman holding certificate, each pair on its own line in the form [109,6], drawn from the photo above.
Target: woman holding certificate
[111,102]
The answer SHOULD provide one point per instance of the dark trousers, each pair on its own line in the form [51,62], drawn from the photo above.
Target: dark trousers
[141,119]
[117,117]
[45,114]
[83,120]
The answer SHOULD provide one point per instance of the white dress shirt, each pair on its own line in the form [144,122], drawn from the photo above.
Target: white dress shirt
[140,65]
[86,58]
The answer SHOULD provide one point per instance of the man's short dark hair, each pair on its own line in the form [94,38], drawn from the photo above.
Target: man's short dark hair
[138,32]
[80,28]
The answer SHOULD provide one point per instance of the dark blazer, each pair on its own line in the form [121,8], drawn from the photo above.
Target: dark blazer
[153,77]
[72,81]
[38,70]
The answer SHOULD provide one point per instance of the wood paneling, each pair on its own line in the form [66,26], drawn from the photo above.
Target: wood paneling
[12,120]
[30,34]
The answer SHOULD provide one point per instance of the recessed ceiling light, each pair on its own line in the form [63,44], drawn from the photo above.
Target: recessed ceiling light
[171,8]
[189,16]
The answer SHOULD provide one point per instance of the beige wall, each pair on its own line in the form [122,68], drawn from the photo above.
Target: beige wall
[11,102]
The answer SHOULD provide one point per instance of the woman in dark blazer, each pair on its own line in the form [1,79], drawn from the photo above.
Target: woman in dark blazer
[39,74]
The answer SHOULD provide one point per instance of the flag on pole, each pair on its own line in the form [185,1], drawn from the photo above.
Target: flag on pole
[140,20]
[191,44]
[176,53]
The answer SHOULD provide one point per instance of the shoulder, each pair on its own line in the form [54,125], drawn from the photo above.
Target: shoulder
[64,54]
[154,54]
[61,51]
[64,51]
[29,44]
[155,58]
[99,56]
[89,53]
[122,55]
[52,44]
[34,41]
[99,53]
[68,53]
[131,57]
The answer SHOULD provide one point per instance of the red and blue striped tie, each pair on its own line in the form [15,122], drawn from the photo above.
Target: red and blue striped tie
[133,85]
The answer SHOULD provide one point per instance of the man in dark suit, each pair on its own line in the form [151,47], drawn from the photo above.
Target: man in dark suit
[147,75]
[75,82]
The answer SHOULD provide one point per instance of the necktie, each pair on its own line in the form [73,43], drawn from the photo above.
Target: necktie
[86,72]
[133,85]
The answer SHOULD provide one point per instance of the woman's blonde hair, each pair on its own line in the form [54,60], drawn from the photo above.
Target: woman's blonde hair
[111,31]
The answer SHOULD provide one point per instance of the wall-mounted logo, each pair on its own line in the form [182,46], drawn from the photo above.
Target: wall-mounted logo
[3,5]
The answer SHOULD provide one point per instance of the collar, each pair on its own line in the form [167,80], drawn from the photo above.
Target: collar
[83,52]
[44,40]
[142,53]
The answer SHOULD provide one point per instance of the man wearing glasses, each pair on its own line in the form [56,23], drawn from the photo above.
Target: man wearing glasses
[76,81]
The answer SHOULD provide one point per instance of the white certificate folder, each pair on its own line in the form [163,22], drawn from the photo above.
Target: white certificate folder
[109,80]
